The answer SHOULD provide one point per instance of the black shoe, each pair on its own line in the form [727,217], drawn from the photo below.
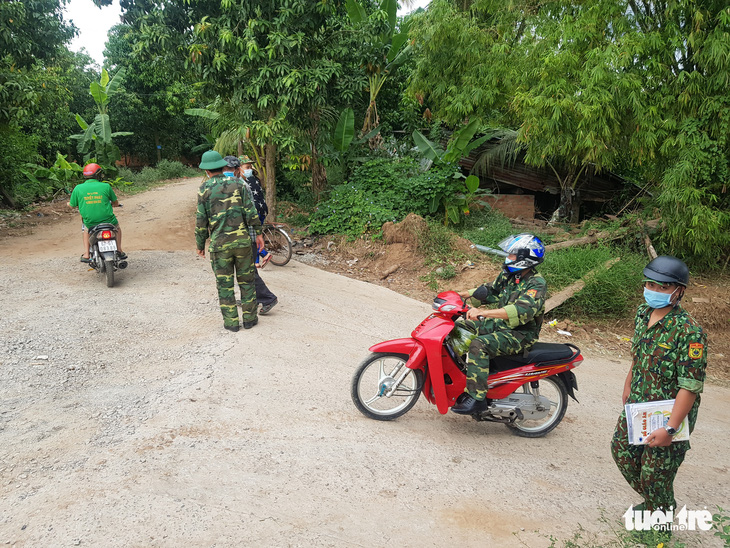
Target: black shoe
[121,256]
[470,406]
[233,328]
[266,308]
[462,397]
[249,325]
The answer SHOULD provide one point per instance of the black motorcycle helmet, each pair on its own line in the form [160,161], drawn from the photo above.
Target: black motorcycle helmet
[233,162]
[667,269]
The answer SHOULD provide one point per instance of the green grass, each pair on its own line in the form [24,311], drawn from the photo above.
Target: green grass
[612,293]
[135,182]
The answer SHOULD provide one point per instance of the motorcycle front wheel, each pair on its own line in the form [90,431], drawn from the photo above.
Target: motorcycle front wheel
[554,390]
[383,388]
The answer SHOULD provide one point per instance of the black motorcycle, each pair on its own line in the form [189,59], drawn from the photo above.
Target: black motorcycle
[104,256]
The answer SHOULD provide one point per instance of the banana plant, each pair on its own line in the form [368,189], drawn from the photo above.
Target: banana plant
[388,48]
[457,201]
[96,139]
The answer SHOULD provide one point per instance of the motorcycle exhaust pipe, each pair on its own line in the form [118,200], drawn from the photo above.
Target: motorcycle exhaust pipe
[122,264]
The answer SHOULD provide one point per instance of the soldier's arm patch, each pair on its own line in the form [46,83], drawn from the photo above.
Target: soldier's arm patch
[696,350]
[532,293]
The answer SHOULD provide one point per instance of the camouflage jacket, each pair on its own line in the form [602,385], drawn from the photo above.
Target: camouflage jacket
[522,297]
[669,355]
[225,212]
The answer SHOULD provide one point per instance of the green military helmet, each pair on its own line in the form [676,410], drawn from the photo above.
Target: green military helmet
[212,160]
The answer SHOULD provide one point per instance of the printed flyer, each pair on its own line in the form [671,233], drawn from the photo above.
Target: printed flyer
[645,417]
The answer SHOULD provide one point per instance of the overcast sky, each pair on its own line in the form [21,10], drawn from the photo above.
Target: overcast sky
[94,24]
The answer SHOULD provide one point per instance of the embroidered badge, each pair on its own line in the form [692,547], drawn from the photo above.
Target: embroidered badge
[695,350]
[531,293]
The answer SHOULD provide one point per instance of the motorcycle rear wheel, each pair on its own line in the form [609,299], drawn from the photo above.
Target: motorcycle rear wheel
[376,375]
[109,268]
[554,389]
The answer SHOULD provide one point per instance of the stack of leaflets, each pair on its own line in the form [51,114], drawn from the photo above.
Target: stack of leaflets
[645,417]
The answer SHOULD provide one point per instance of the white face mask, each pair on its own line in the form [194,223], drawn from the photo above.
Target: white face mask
[247,172]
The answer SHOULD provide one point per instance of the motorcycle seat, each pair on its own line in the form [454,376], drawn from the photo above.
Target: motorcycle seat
[540,353]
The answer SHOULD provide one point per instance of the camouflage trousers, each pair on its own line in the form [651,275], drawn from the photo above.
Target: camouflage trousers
[494,338]
[650,471]
[225,263]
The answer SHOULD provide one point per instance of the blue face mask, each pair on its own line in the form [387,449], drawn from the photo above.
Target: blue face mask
[247,172]
[228,174]
[657,300]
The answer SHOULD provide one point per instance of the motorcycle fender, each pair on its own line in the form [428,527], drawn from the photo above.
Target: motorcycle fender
[108,255]
[416,352]
[570,382]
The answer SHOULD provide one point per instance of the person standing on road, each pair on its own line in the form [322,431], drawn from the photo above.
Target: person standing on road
[224,214]
[95,201]
[248,174]
[520,293]
[669,362]
[264,296]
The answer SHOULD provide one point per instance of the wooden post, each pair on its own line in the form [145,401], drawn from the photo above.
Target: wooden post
[562,296]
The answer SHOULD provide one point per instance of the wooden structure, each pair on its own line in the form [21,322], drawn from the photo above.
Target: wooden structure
[519,178]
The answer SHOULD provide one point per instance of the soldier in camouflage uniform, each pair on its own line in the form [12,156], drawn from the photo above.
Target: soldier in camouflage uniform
[519,293]
[669,361]
[225,212]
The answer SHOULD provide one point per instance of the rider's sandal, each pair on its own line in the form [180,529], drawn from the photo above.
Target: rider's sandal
[85,259]
[122,256]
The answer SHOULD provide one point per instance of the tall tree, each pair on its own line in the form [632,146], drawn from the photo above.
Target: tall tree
[32,34]
[151,101]
[608,84]
[264,61]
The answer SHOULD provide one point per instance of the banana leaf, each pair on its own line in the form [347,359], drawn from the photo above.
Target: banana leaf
[116,81]
[345,130]
[355,11]
[82,123]
[202,113]
[427,148]
[98,93]
[103,128]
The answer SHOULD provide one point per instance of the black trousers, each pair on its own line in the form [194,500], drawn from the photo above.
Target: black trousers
[263,295]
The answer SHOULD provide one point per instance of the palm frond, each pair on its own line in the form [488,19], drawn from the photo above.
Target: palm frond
[505,152]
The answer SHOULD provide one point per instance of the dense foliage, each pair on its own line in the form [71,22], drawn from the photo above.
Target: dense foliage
[609,84]
[381,190]
[575,87]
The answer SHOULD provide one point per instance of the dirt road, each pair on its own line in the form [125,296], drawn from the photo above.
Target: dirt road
[129,417]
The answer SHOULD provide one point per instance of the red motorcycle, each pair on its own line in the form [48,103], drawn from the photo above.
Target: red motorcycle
[529,394]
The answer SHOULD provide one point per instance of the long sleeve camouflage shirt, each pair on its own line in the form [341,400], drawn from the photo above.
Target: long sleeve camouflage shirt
[225,212]
[521,296]
[669,355]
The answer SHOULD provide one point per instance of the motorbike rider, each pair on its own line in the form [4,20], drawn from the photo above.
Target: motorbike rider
[519,292]
[95,200]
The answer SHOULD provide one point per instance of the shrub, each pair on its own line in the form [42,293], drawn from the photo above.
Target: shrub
[169,169]
[16,150]
[383,189]
[350,209]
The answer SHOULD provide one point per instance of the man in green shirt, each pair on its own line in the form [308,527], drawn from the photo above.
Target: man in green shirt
[225,213]
[95,201]
[669,362]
